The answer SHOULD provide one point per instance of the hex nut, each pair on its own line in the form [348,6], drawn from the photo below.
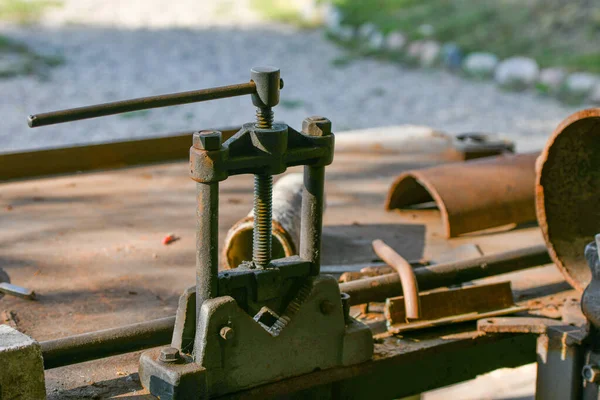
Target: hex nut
[227,333]
[326,307]
[207,140]
[169,354]
[316,126]
[591,373]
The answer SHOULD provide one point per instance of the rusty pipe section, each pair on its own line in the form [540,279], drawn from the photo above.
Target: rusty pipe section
[568,193]
[286,215]
[472,195]
[408,281]
[440,275]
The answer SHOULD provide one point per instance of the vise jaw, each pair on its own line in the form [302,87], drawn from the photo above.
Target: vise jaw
[239,351]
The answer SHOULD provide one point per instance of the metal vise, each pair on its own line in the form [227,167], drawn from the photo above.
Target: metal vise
[266,319]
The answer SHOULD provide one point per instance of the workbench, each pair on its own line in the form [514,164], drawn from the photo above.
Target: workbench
[90,245]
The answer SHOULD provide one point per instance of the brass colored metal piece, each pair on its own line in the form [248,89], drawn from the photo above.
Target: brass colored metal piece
[227,333]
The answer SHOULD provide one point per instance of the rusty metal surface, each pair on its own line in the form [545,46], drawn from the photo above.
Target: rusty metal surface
[442,307]
[533,325]
[473,195]
[568,193]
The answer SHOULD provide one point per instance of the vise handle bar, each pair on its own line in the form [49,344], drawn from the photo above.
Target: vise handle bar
[142,103]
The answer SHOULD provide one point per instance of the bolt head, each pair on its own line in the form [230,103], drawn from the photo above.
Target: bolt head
[591,373]
[316,126]
[169,354]
[327,307]
[227,333]
[207,140]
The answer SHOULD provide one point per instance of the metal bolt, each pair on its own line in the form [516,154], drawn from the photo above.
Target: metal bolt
[169,354]
[207,140]
[316,126]
[327,307]
[591,373]
[227,332]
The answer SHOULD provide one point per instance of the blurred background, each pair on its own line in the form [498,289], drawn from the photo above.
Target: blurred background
[506,66]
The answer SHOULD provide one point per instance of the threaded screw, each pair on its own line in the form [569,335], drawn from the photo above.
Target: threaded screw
[263,210]
[264,117]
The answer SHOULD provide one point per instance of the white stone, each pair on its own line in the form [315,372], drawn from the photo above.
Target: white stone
[552,78]
[480,64]
[366,30]
[395,41]
[430,53]
[345,33]
[580,83]
[413,51]
[332,17]
[376,41]
[517,72]
[594,97]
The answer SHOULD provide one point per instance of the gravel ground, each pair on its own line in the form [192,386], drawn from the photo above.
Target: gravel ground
[114,52]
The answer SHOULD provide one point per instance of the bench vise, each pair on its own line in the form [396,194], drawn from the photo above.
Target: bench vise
[266,319]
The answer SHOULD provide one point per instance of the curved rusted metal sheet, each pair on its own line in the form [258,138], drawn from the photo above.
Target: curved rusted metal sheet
[472,195]
[568,193]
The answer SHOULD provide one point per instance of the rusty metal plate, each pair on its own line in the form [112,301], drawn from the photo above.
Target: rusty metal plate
[452,306]
[473,195]
[568,193]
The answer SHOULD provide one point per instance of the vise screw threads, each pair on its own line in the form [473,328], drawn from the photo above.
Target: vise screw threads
[263,210]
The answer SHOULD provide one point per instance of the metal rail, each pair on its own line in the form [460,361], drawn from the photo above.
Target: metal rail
[109,342]
[430,277]
[105,343]
[142,103]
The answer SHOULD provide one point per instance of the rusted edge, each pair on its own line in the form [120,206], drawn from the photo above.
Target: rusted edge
[424,192]
[247,223]
[540,196]
[516,325]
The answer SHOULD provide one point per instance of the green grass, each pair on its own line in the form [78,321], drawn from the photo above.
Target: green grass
[282,11]
[25,11]
[554,32]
